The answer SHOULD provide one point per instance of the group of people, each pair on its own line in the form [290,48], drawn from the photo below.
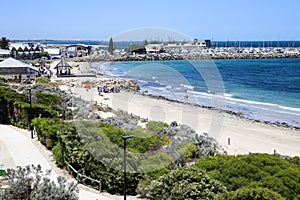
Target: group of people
[106,89]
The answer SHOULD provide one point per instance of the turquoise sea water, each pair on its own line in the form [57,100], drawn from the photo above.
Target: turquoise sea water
[263,89]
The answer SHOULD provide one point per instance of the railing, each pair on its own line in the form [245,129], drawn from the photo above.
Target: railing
[78,175]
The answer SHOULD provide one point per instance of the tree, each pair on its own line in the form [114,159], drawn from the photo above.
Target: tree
[45,54]
[31,183]
[146,42]
[4,43]
[111,46]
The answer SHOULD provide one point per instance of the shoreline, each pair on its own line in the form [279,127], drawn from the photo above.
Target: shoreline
[230,112]
[86,67]
[133,86]
[266,111]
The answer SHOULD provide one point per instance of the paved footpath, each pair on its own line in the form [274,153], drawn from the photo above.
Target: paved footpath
[17,149]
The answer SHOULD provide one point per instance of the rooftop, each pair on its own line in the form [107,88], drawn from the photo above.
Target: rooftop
[4,51]
[11,62]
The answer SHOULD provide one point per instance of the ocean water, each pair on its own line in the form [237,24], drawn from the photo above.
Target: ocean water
[262,89]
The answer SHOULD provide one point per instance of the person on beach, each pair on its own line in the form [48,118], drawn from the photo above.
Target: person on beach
[186,97]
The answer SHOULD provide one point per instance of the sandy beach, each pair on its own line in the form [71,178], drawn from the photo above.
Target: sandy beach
[236,135]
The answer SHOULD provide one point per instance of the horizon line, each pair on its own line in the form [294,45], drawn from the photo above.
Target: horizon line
[95,40]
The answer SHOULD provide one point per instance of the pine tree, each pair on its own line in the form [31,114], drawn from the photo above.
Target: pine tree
[111,46]
[146,42]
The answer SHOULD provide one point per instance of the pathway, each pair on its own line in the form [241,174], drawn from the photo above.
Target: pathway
[17,149]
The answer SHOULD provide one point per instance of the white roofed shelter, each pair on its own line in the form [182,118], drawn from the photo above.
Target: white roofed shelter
[15,70]
[4,53]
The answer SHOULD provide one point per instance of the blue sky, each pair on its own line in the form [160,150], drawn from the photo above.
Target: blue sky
[202,19]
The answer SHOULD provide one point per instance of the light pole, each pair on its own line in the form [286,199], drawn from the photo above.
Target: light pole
[30,114]
[124,164]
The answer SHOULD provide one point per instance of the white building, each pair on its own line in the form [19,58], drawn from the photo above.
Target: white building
[4,54]
[54,53]
[154,48]
[12,69]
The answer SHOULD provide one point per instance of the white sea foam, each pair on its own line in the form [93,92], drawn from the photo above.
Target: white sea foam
[228,95]
[142,81]
[263,104]
[187,86]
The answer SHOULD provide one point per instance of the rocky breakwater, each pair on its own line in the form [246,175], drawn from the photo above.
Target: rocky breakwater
[199,54]
[113,85]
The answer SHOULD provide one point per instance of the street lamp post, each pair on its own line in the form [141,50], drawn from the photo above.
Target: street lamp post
[124,164]
[30,114]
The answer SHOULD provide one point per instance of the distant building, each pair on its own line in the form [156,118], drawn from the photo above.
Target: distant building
[192,46]
[54,53]
[200,43]
[207,43]
[154,48]
[78,50]
[4,54]
[15,70]
[26,51]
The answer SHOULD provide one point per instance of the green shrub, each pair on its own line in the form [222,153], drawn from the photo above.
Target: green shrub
[47,130]
[47,99]
[31,182]
[58,155]
[186,183]
[2,80]
[255,170]
[15,107]
[42,79]
[156,127]
[250,194]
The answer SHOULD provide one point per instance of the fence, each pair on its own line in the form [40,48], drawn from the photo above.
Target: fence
[79,175]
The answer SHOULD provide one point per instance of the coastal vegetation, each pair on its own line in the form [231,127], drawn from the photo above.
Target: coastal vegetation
[156,158]
[250,193]
[15,108]
[42,79]
[111,47]
[253,171]
[185,183]
[31,182]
